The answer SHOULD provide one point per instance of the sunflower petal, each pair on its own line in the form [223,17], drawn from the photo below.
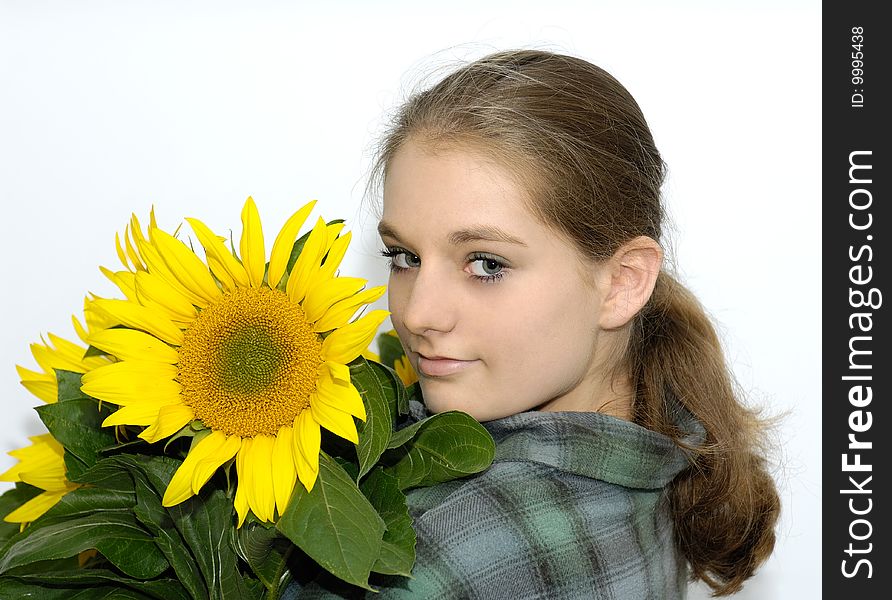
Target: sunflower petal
[35,507]
[139,317]
[138,413]
[153,291]
[244,476]
[131,382]
[123,280]
[171,418]
[42,385]
[201,462]
[335,256]
[339,314]
[259,458]
[320,297]
[156,265]
[306,445]
[133,345]
[132,252]
[224,265]
[335,420]
[284,471]
[338,371]
[281,251]
[187,267]
[252,250]
[307,262]
[340,396]
[348,342]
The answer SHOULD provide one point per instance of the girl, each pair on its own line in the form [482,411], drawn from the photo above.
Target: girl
[522,219]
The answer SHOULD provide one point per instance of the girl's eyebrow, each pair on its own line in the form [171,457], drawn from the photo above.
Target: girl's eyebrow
[477,233]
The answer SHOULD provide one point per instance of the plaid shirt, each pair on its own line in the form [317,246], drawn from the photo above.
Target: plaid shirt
[572,507]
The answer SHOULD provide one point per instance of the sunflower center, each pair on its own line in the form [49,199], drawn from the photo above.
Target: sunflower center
[249,363]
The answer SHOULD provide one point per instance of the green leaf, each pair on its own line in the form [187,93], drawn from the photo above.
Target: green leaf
[151,477]
[116,535]
[445,446]
[204,522]
[68,384]
[14,588]
[11,500]
[267,552]
[379,391]
[76,424]
[90,579]
[335,525]
[89,500]
[389,349]
[156,519]
[398,546]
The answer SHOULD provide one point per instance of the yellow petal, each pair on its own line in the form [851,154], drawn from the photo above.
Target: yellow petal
[335,256]
[321,296]
[139,317]
[154,292]
[171,418]
[225,266]
[133,345]
[186,266]
[306,445]
[131,250]
[340,314]
[348,342]
[42,385]
[338,371]
[131,382]
[120,251]
[124,280]
[307,263]
[281,252]
[251,246]
[35,507]
[333,419]
[201,462]
[261,497]
[284,471]
[138,413]
[156,265]
[340,396]
[243,473]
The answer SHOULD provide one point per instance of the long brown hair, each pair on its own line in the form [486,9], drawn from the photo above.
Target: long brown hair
[580,145]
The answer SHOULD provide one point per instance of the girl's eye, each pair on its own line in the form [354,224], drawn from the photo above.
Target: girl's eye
[401,259]
[487,268]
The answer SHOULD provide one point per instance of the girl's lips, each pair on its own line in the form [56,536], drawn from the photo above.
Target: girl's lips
[441,367]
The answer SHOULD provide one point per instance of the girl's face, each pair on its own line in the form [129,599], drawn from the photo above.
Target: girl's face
[498,313]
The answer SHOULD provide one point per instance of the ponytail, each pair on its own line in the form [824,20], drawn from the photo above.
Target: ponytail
[725,505]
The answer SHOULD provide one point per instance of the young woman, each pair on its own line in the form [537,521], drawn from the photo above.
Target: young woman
[522,218]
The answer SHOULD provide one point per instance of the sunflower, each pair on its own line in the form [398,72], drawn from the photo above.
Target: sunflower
[254,357]
[42,465]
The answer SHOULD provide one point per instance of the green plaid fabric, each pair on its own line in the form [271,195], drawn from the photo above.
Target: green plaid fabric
[572,507]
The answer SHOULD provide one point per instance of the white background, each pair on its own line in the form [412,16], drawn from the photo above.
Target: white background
[107,108]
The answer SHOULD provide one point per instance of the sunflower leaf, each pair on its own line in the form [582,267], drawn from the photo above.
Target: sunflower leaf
[90,579]
[398,545]
[15,588]
[151,476]
[335,524]
[116,535]
[76,421]
[267,552]
[444,446]
[379,390]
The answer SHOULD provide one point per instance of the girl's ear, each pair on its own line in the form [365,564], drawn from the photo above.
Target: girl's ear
[633,272]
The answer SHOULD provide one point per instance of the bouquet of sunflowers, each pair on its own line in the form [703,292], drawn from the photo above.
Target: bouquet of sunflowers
[223,428]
